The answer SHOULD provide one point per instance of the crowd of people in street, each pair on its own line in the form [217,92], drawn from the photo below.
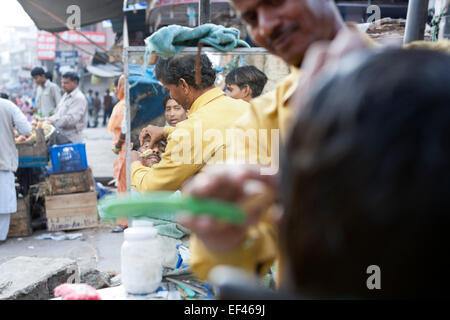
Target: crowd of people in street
[361,129]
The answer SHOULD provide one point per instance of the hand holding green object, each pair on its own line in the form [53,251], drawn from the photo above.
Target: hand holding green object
[160,202]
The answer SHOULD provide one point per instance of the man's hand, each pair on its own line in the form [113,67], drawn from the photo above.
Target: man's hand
[155,133]
[232,184]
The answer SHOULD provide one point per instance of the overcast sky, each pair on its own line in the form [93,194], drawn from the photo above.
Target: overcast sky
[12,14]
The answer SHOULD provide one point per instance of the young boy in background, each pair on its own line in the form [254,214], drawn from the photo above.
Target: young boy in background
[245,83]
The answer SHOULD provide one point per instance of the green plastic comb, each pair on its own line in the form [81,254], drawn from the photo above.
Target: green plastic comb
[166,205]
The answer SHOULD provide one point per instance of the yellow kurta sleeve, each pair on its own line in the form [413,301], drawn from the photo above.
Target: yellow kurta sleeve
[256,254]
[167,131]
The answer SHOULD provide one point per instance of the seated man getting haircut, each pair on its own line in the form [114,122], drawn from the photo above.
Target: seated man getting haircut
[366,180]
[151,155]
[245,83]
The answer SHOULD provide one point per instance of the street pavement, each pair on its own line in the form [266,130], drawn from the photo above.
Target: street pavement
[98,248]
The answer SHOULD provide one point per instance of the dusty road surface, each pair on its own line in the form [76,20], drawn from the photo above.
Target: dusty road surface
[97,248]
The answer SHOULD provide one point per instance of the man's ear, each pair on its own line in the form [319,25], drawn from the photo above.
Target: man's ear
[247,91]
[184,85]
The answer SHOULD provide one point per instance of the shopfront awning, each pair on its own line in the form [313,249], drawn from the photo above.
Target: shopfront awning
[91,11]
[104,70]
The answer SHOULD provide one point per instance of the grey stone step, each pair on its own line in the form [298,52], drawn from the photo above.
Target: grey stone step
[29,278]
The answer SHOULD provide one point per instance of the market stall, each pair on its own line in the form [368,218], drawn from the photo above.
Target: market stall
[33,153]
[55,186]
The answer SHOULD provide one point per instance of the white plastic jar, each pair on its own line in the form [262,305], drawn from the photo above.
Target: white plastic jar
[141,265]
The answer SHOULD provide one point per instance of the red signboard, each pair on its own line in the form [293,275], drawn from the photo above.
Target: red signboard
[74,37]
[46,46]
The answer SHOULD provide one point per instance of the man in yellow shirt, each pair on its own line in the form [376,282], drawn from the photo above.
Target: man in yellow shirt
[287,29]
[196,141]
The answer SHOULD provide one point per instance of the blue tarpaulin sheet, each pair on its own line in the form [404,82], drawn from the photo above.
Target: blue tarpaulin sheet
[146,95]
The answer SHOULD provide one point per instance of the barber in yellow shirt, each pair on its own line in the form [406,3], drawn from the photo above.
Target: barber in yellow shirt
[287,29]
[196,141]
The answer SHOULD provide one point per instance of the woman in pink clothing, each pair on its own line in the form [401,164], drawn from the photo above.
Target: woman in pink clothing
[119,147]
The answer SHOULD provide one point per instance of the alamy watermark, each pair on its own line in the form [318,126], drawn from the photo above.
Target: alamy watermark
[231,146]
[74,19]
[375,16]
[374,280]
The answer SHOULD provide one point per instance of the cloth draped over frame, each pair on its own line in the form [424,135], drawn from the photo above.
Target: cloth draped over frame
[170,40]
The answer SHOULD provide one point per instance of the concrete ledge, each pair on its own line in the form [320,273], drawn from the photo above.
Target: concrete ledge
[28,278]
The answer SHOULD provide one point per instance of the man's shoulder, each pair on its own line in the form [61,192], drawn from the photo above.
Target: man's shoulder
[228,102]
[238,102]
[279,95]
[53,86]
[6,105]
[79,96]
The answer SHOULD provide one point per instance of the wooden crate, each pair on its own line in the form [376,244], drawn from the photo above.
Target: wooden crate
[68,183]
[20,224]
[71,211]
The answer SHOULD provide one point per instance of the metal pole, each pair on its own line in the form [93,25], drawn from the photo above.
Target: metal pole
[416,20]
[204,11]
[126,72]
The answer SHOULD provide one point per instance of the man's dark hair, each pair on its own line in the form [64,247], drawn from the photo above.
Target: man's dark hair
[171,70]
[4,96]
[366,180]
[49,75]
[37,71]
[72,76]
[165,99]
[96,93]
[248,76]
[90,91]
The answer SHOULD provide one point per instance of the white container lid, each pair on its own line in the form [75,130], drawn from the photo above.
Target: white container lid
[142,223]
[139,233]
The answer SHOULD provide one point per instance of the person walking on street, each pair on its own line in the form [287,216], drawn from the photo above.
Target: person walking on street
[48,93]
[90,100]
[71,114]
[97,104]
[10,117]
[107,106]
